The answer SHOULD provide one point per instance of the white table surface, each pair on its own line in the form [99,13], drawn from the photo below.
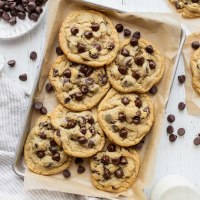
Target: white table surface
[180,157]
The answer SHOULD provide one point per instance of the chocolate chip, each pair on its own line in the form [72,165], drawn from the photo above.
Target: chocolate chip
[84,89]
[122,117]
[67,100]
[56,157]
[111,46]
[127,32]
[82,140]
[78,161]
[43,136]
[149,49]
[136,120]
[33,55]
[74,30]
[92,130]
[103,79]
[106,174]
[11,63]
[70,123]
[181,78]
[49,87]
[134,42]
[83,130]
[58,133]
[89,81]
[21,15]
[137,35]
[115,128]
[139,61]
[105,160]
[81,48]
[125,101]
[94,56]
[135,75]
[123,160]
[152,64]
[97,46]
[197,141]
[90,120]
[91,144]
[66,173]
[138,146]
[122,70]
[23,77]
[31,6]
[170,129]
[195,1]
[6,16]
[123,133]
[119,28]
[53,149]
[43,111]
[88,34]
[86,70]
[153,90]
[115,161]
[170,118]
[181,131]
[195,45]
[55,72]
[118,173]
[125,52]
[111,148]
[95,27]
[53,143]
[138,103]
[12,20]
[80,169]
[40,154]
[78,96]
[181,106]
[59,51]
[172,138]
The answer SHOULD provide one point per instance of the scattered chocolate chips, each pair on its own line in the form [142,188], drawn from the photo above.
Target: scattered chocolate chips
[82,140]
[136,34]
[122,117]
[91,144]
[127,32]
[134,42]
[53,149]
[111,46]
[111,148]
[170,129]
[138,103]
[66,173]
[125,101]
[172,138]
[12,20]
[123,133]
[125,52]
[89,81]
[40,154]
[86,70]
[67,100]
[118,173]
[49,87]
[97,46]
[43,136]
[136,120]
[122,70]
[56,157]
[103,79]
[195,45]
[181,131]
[135,75]
[195,1]
[83,130]
[90,120]
[106,174]
[197,141]
[181,106]
[33,55]
[139,61]
[95,27]
[81,48]
[119,28]
[181,79]
[170,118]
[71,123]
[149,49]
[78,161]
[43,111]
[115,161]
[79,96]
[74,30]
[88,34]
[152,64]
[11,63]
[105,160]
[23,77]
[84,89]
[123,160]
[59,51]
[80,169]
[153,90]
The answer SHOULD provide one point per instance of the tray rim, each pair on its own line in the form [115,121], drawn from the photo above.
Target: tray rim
[20,146]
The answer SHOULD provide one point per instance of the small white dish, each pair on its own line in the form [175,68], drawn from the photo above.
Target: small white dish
[174,187]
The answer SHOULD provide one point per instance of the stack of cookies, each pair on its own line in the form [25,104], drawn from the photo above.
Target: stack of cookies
[100,82]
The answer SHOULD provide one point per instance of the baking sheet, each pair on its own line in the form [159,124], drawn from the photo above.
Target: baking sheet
[192,98]
[155,27]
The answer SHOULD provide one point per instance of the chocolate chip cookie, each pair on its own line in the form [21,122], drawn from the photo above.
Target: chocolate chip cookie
[114,169]
[137,67]
[195,67]
[79,133]
[188,8]
[89,37]
[41,153]
[125,118]
[78,87]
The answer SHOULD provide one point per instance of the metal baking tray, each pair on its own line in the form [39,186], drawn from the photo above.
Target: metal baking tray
[18,163]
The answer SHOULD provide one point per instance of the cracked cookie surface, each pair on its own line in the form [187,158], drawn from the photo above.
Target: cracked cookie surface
[89,37]
[78,87]
[195,67]
[41,153]
[114,169]
[137,67]
[188,8]
[125,118]
[79,134]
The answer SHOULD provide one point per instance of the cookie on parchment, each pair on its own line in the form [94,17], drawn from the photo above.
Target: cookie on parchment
[137,67]
[125,118]
[89,37]
[114,169]
[195,67]
[188,8]
[80,134]
[78,87]
[41,153]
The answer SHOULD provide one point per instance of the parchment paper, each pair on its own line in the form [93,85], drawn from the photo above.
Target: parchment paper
[164,31]
[192,98]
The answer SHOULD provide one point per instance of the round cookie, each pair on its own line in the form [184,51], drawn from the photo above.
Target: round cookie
[80,134]
[89,37]
[41,153]
[78,87]
[188,8]
[195,67]
[137,67]
[125,118]
[114,169]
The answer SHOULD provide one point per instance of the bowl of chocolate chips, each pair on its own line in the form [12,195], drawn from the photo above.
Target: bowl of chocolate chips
[18,17]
